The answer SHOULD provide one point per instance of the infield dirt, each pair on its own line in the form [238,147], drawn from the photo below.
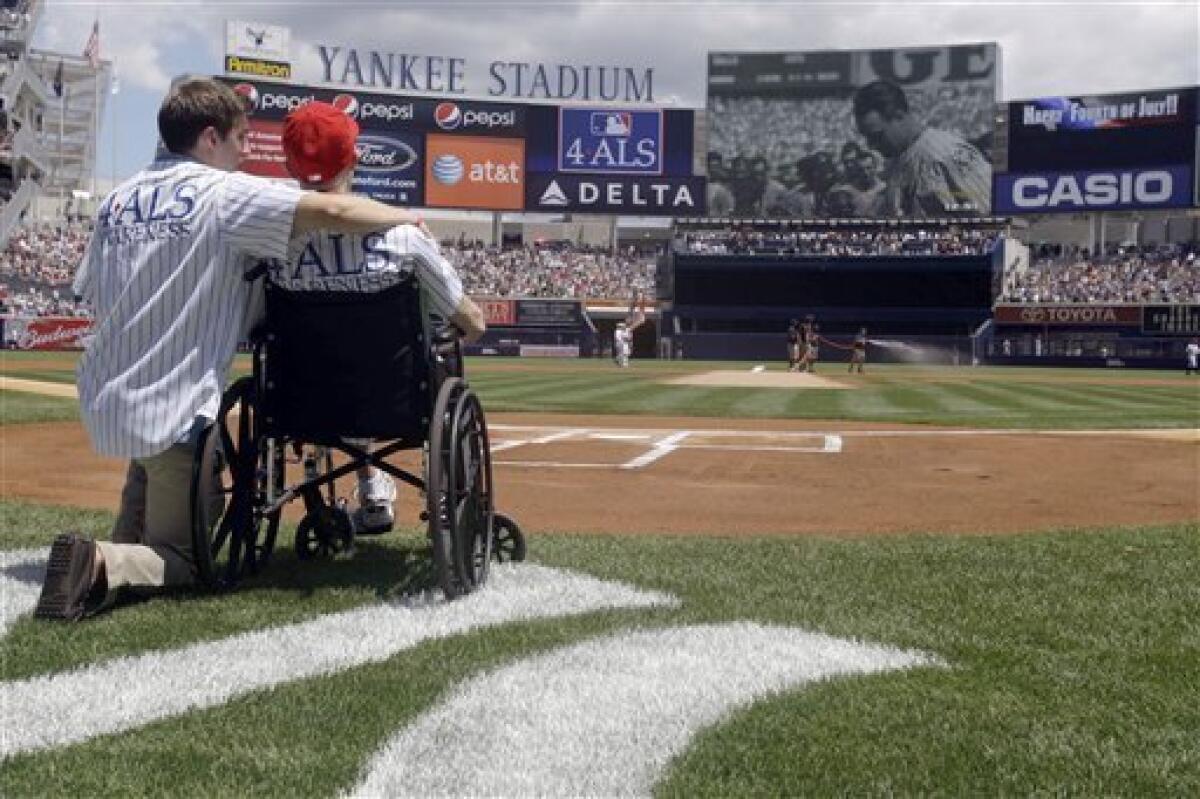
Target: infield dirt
[882,479]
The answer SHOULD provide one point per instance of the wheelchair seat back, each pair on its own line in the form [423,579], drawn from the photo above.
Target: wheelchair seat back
[346,364]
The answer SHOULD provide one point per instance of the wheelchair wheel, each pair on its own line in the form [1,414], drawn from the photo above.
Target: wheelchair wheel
[459,490]
[323,532]
[508,542]
[225,494]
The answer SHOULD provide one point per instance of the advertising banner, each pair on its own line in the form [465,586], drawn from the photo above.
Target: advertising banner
[611,141]
[440,153]
[1094,190]
[498,313]
[852,134]
[549,313]
[391,167]
[1171,320]
[46,332]
[617,194]
[263,51]
[474,172]
[1103,131]
[1069,315]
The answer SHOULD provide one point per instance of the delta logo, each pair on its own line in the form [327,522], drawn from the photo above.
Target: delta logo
[475,172]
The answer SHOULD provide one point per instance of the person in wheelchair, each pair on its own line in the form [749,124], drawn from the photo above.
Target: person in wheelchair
[163,273]
[319,145]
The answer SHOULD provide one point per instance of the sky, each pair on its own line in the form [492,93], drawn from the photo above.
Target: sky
[1053,47]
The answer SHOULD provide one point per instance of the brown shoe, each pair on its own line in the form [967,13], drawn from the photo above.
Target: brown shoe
[68,585]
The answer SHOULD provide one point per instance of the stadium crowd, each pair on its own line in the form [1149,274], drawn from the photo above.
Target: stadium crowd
[37,266]
[39,262]
[1156,274]
[882,241]
[552,270]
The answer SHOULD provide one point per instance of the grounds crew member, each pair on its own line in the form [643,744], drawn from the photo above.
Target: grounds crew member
[319,150]
[163,275]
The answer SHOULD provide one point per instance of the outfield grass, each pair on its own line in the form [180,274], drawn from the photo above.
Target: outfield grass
[991,397]
[1072,666]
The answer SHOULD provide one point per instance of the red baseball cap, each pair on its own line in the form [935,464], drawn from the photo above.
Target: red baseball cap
[318,142]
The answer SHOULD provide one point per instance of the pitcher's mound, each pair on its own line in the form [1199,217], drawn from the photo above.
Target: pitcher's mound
[749,379]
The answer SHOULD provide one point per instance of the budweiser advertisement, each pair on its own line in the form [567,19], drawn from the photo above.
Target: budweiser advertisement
[45,332]
[1058,315]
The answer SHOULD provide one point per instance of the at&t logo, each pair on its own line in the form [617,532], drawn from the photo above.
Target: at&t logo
[448,169]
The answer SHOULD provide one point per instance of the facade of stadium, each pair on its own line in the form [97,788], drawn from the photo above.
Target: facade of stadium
[985,303]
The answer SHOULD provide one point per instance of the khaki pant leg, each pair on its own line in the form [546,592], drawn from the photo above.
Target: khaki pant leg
[131,518]
[164,558]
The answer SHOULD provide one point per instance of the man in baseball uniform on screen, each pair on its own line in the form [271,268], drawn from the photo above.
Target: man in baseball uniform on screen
[930,172]
[163,273]
[319,150]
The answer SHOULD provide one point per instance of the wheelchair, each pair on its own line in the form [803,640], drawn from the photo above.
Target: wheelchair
[330,369]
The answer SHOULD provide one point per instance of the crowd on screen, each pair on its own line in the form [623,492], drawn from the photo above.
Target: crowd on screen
[837,243]
[552,270]
[1154,274]
[785,157]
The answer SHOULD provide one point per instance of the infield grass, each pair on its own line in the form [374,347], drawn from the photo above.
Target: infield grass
[989,397]
[1071,666]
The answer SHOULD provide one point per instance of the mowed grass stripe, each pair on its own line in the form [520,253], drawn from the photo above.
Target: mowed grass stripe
[1150,396]
[587,395]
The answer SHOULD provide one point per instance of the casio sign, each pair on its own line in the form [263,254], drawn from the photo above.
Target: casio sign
[381,154]
[1095,190]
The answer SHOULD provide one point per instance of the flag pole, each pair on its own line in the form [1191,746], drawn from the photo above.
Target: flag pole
[113,89]
[95,130]
[62,113]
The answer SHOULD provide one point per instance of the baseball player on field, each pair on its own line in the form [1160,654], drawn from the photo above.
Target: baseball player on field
[1193,357]
[793,345]
[858,351]
[163,273]
[319,150]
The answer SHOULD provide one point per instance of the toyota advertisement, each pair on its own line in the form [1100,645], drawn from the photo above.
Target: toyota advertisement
[467,154]
[1135,150]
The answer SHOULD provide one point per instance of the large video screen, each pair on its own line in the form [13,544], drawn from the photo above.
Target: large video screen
[1103,132]
[903,133]
[1100,153]
[498,156]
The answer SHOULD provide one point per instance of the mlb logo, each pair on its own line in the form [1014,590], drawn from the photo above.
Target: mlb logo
[612,123]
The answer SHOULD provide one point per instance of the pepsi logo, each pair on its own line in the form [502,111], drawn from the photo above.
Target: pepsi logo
[347,104]
[448,169]
[249,94]
[448,116]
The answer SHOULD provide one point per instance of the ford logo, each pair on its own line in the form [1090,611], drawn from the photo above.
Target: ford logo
[381,154]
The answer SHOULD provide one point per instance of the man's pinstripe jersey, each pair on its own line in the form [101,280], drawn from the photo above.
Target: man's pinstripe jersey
[939,174]
[163,275]
[363,263]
